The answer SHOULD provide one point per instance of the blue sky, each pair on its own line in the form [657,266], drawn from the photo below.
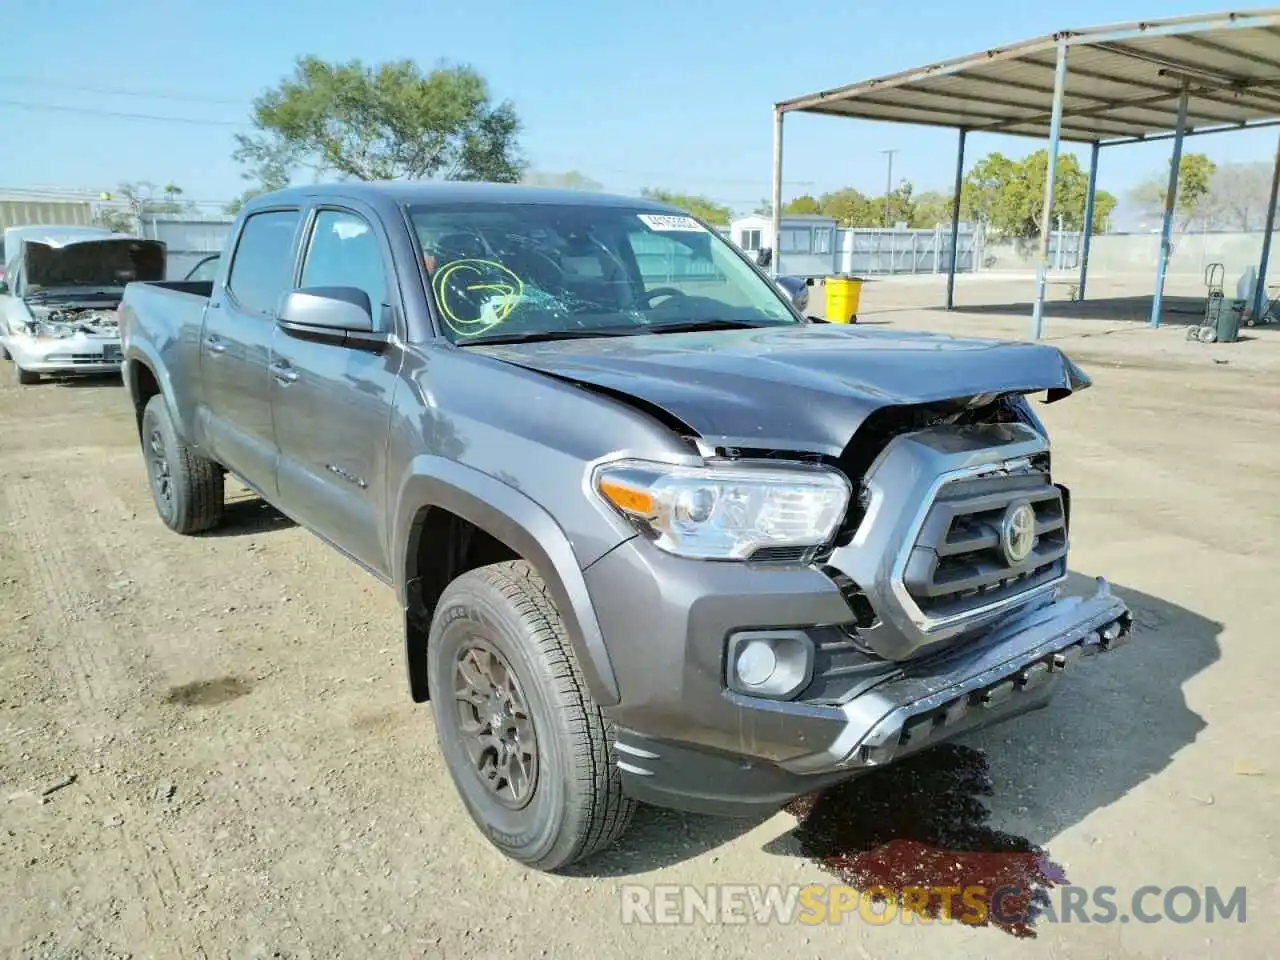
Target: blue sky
[661,93]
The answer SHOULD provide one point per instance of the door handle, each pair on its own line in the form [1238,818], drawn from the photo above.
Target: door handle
[283,372]
[215,345]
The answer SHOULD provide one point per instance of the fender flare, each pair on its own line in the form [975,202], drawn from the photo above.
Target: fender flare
[523,525]
[142,355]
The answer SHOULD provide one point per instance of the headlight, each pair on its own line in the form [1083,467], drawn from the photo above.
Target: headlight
[726,511]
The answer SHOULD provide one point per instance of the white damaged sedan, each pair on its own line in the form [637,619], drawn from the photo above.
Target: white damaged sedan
[59,296]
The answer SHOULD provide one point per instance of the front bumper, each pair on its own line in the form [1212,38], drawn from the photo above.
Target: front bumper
[75,354]
[685,741]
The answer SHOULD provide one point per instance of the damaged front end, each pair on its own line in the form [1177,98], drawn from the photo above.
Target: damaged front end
[66,338]
[950,617]
[61,323]
[72,281]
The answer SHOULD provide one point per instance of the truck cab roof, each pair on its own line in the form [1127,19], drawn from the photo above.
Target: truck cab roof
[405,192]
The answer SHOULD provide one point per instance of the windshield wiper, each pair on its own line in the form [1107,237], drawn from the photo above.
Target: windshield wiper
[692,326]
[533,336]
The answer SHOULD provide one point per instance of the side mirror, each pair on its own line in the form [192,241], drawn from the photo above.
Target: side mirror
[796,290]
[339,315]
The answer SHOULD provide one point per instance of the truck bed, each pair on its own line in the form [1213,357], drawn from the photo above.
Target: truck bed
[162,311]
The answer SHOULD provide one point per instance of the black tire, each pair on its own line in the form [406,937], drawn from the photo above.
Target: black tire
[576,806]
[186,488]
[26,377]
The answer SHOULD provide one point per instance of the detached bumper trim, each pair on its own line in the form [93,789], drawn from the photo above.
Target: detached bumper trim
[1014,671]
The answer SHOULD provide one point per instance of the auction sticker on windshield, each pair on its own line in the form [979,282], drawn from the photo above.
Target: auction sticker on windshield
[666,223]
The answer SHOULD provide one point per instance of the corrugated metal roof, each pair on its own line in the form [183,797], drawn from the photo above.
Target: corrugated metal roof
[1123,82]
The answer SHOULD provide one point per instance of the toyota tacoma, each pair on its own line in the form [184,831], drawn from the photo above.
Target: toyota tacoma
[657,535]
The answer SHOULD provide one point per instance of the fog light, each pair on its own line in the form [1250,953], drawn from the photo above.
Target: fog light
[756,662]
[776,664]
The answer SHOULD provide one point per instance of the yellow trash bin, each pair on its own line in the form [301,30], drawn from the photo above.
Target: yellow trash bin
[843,294]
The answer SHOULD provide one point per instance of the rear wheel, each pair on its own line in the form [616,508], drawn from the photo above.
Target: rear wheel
[186,487]
[527,747]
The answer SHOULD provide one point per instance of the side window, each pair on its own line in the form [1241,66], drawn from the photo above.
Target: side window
[206,269]
[344,252]
[263,266]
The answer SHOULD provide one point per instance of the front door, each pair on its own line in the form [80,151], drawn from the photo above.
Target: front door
[332,404]
[236,344]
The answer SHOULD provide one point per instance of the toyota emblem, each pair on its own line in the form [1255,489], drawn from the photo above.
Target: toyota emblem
[1018,531]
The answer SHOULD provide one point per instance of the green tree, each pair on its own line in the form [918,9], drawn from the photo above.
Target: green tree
[386,122]
[702,207]
[931,209]
[570,180]
[115,220]
[1009,194]
[269,172]
[803,204]
[850,207]
[901,206]
[140,198]
[1195,181]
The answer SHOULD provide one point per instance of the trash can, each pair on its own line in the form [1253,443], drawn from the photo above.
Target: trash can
[1229,318]
[1221,323]
[843,294]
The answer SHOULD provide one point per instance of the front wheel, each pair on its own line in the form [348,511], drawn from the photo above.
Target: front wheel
[186,487]
[527,747]
[26,377]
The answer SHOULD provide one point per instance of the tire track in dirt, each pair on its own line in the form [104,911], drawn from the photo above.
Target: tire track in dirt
[51,537]
[265,774]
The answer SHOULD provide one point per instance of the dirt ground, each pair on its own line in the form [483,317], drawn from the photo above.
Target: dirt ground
[207,747]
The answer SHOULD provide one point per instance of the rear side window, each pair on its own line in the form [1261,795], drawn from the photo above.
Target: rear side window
[263,266]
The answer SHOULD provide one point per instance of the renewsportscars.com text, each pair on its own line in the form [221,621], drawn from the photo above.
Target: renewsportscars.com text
[673,904]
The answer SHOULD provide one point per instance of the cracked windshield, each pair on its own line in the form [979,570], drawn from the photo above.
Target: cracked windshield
[536,271]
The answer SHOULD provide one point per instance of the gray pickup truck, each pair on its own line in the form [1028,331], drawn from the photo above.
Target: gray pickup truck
[657,536]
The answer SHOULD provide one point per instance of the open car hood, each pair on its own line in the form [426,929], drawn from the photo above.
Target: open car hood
[804,387]
[110,262]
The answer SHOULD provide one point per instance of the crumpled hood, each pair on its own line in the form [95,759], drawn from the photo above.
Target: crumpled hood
[111,262]
[807,387]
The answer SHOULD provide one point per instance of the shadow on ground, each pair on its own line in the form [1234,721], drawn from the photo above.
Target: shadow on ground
[82,380]
[1115,722]
[247,514]
[1175,311]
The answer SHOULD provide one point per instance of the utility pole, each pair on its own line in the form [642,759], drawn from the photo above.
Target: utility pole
[888,184]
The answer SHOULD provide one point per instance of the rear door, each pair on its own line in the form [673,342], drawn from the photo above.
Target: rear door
[331,403]
[236,347]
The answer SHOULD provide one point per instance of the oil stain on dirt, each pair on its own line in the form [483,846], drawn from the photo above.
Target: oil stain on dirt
[207,693]
[919,826]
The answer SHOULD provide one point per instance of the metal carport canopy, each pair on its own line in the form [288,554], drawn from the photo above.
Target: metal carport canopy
[1125,83]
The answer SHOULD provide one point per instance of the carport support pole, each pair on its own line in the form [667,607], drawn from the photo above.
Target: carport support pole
[1046,215]
[955,223]
[776,212]
[1260,290]
[1088,218]
[1170,199]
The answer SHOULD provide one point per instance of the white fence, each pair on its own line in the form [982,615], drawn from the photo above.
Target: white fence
[189,237]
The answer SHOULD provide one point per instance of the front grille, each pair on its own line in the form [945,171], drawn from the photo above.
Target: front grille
[958,563]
